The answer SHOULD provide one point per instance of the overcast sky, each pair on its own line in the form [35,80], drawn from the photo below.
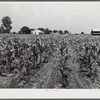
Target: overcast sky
[72,16]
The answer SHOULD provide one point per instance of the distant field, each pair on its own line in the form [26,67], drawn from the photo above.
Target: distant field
[72,36]
[49,61]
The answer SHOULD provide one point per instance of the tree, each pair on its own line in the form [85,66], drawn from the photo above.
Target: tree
[46,31]
[41,29]
[6,24]
[55,31]
[8,29]
[60,32]
[50,31]
[82,32]
[66,32]
[25,30]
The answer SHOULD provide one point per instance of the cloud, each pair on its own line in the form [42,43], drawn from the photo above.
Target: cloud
[17,11]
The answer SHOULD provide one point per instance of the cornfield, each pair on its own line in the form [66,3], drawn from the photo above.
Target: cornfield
[49,61]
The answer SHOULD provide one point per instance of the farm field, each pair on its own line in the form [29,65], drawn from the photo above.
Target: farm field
[49,61]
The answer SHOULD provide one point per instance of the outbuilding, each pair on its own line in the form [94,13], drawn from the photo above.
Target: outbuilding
[95,32]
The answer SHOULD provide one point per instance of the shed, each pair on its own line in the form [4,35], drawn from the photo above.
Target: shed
[95,32]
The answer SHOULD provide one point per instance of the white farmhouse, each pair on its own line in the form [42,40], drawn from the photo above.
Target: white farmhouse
[36,32]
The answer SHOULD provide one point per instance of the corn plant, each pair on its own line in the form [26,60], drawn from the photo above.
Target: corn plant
[88,61]
[64,70]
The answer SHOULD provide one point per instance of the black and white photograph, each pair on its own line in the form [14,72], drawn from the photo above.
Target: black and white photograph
[50,45]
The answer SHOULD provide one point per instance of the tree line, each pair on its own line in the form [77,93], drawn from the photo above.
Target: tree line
[6,26]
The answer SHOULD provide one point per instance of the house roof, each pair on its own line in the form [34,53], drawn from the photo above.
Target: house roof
[95,30]
[37,31]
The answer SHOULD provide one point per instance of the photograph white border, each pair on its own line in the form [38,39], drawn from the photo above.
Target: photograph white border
[48,93]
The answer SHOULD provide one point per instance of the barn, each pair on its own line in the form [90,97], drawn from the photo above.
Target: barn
[36,32]
[95,32]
